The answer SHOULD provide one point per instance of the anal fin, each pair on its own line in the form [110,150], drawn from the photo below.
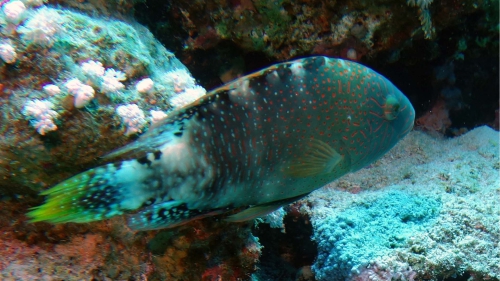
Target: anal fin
[262,210]
[166,215]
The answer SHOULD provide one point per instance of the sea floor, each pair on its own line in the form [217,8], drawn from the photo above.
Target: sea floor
[427,210]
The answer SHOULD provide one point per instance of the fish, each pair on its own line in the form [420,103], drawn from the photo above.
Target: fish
[243,150]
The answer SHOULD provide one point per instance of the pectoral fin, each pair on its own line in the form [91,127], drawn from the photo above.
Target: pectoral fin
[317,158]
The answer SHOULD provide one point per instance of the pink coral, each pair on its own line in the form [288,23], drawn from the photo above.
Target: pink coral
[42,27]
[377,272]
[436,120]
[42,115]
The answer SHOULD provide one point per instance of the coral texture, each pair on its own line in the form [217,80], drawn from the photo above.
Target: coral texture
[426,210]
[65,77]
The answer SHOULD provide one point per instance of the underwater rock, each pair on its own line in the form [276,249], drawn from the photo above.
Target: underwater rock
[203,250]
[69,95]
[404,40]
[426,210]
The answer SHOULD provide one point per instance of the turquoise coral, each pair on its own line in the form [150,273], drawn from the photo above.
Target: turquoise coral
[352,239]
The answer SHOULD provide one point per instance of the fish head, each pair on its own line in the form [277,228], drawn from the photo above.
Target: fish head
[385,116]
[396,114]
[371,114]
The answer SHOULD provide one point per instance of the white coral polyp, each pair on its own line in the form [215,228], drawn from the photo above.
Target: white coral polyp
[45,125]
[111,81]
[94,68]
[73,85]
[179,79]
[188,96]
[51,89]
[14,11]
[144,86]
[84,96]
[8,53]
[157,115]
[133,118]
[111,85]
[42,27]
[83,93]
[42,115]
[118,75]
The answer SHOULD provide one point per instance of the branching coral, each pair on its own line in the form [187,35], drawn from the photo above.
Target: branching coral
[424,16]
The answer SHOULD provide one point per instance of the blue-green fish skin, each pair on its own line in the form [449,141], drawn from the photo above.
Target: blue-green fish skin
[255,143]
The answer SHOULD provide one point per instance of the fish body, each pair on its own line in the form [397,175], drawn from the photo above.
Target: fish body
[256,143]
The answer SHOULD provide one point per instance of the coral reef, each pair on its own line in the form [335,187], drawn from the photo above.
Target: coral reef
[287,252]
[71,91]
[204,250]
[404,40]
[425,211]
[437,219]
[80,78]
[74,87]
[369,230]
[122,9]
[287,28]
[436,120]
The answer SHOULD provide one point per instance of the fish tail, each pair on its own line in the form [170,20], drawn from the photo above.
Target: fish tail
[96,194]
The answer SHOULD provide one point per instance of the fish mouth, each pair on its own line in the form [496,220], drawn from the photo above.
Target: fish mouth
[407,115]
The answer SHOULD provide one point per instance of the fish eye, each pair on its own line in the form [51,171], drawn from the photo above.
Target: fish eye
[391,108]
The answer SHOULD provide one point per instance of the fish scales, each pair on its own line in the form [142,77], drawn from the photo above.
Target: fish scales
[254,144]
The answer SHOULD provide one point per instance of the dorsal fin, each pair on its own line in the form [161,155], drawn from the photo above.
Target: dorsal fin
[158,135]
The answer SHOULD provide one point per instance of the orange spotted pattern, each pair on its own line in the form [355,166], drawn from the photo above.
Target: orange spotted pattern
[260,141]
[254,128]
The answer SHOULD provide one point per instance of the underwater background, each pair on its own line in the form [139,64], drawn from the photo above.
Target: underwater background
[79,79]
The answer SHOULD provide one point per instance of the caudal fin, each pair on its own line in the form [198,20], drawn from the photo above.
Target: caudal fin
[93,195]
